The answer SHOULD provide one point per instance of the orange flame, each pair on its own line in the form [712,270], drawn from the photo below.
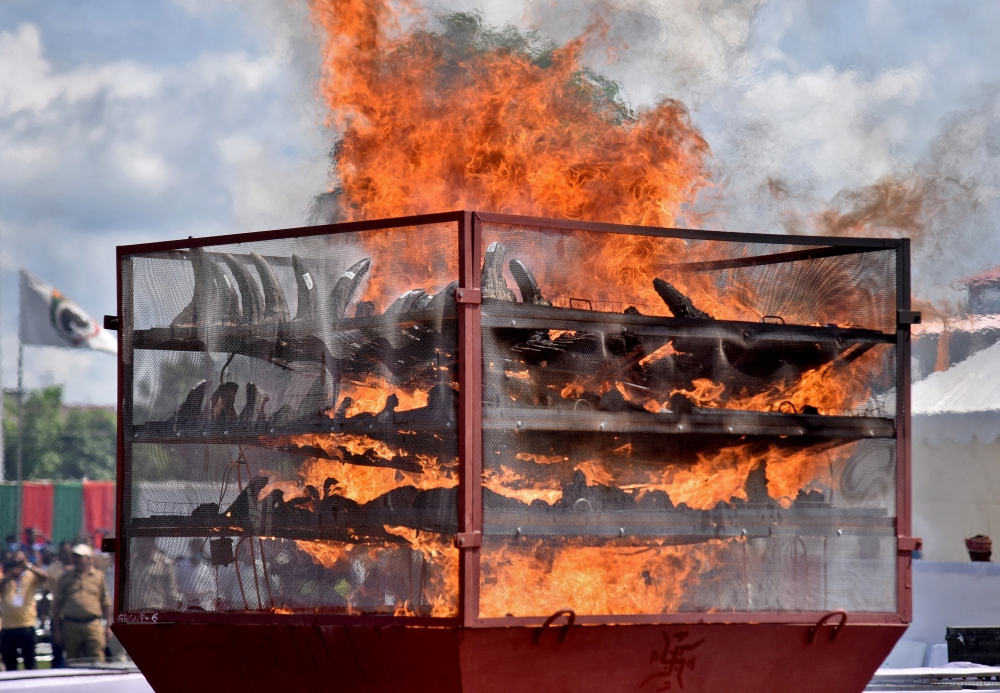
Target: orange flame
[595,473]
[722,477]
[536,579]
[509,483]
[499,132]
[705,392]
[665,350]
[540,459]
[359,483]
[442,583]
[369,396]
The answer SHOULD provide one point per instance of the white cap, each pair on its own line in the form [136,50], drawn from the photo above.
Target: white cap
[83,550]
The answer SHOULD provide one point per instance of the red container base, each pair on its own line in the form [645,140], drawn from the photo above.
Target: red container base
[705,658]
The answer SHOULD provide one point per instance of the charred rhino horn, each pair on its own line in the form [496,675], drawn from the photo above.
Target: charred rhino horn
[494,283]
[189,413]
[223,410]
[679,304]
[275,306]
[404,304]
[390,319]
[250,295]
[306,310]
[443,302]
[247,415]
[345,287]
[530,293]
[214,299]
[318,400]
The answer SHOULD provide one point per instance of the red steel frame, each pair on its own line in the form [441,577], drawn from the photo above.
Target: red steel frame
[469,232]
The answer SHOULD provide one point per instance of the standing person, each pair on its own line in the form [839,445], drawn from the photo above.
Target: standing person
[153,585]
[81,601]
[57,568]
[21,581]
[195,579]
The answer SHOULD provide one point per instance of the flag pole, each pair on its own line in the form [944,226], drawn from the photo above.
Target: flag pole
[20,425]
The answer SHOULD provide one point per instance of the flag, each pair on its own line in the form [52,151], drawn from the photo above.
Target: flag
[50,319]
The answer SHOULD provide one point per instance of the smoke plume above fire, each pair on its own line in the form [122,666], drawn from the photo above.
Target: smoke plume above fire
[768,148]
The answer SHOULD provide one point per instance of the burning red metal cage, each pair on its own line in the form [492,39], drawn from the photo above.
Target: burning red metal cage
[374,462]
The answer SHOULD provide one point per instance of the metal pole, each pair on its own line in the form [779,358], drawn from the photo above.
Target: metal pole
[3,461]
[20,437]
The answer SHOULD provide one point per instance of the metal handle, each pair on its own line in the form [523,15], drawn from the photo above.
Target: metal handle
[775,319]
[836,629]
[570,619]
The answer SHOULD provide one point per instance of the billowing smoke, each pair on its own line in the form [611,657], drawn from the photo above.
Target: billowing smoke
[796,146]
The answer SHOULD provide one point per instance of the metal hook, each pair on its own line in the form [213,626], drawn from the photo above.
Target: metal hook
[570,620]
[836,629]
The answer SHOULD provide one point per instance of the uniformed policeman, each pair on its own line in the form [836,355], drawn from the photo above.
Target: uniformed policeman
[81,602]
[21,580]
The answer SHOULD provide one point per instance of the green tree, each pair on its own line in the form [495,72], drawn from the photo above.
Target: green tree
[60,442]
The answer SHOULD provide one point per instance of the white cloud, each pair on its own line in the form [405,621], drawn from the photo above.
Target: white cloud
[268,191]
[823,127]
[27,82]
[95,155]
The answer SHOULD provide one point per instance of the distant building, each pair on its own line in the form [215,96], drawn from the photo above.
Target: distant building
[956,423]
[939,345]
[984,292]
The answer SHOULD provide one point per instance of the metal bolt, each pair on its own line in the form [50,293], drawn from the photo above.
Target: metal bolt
[603,424]
[840,532]
[513,322]
[461,294]
[621,531]
[518,425]
[518,532]
[743,532]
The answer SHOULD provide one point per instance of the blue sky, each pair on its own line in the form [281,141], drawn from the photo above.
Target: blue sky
[124,122]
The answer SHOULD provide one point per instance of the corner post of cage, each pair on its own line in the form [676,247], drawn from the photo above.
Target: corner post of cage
[469,416]
[904,528]
[123,450]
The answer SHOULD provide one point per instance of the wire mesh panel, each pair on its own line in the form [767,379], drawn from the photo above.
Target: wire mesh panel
[290,425]
[677,425]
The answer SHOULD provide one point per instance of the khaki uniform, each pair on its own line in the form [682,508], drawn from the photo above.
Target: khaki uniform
[80,600]
[153,584]
[17,601]
[17,607]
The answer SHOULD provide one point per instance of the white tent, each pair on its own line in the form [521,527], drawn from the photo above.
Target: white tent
[956,455]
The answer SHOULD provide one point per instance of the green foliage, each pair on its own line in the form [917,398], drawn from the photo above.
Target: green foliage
[60,442]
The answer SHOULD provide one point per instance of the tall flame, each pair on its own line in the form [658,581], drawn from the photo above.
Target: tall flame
[471,118]
[452,120]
